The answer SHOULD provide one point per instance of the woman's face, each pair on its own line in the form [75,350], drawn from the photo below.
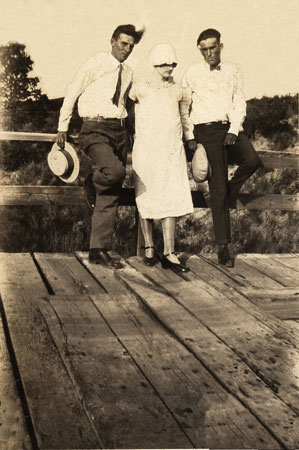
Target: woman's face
[165,70]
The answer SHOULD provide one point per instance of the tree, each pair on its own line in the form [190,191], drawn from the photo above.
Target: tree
[22,104]
[23,107]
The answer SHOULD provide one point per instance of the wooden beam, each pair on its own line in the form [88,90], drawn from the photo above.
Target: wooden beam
[271,159]
[22,136]
[74,195]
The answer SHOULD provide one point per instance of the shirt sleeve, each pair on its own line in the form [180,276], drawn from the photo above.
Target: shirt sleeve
[184,106]
[82,79]
[238,111]
[133,94]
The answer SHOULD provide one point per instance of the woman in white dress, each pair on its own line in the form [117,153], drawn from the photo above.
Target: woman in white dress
[158,160]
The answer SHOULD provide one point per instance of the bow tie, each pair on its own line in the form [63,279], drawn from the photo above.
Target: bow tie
[215,67]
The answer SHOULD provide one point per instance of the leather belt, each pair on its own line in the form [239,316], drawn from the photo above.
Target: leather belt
[100,119]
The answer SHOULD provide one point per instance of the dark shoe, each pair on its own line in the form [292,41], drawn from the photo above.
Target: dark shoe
[150,261]
[178,268]
[100,256]
[90,192]
[224,257]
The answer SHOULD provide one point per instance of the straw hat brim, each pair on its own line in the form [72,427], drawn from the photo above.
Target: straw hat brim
[70,177]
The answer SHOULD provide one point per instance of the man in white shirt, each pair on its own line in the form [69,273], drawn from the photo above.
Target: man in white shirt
[217,112]
[102,85]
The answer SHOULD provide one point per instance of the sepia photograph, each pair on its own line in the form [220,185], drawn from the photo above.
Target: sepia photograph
[149,257]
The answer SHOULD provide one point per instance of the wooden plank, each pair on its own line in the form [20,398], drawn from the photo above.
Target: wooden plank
[126,410]
[217,419]
[268,355]
[270,159]
[57,414]
[244,273]
[59,195]
[74,195]
[273,294]
[282,309]
[228,367]
[287,332]
[282,202]
[279,160]
[13,430]
[25,136]
[289,260]
[65,275]
[272,268]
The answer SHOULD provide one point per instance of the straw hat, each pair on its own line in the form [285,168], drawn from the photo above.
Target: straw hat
[64,163]
[201,169]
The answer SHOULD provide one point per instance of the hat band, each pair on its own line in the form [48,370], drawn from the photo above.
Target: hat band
[70,162]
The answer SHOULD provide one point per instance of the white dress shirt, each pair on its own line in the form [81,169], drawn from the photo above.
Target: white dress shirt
[217,95]
[95,84]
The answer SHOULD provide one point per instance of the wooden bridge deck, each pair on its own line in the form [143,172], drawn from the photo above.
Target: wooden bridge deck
[143,358]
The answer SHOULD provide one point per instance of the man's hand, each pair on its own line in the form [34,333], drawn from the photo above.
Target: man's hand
[192,144]
[230,139]
[60,139]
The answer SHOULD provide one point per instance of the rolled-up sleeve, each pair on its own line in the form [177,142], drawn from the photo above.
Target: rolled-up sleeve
[74,90]
[238,111]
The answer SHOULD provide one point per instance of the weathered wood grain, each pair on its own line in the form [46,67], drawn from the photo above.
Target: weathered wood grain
[65,275]
[242,373]
[55,407]
[125,409]
[210,416]
[13,430]
[272,268]
[244,273]
[285,331]
[74,195]
[290,260]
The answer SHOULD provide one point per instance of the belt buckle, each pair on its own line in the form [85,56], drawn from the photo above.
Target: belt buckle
[122,122]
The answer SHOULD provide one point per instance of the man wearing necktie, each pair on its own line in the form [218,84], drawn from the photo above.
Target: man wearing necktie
[217,112]
[101,86]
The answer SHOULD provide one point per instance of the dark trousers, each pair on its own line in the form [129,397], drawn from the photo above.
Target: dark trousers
[243,154]
[107,146]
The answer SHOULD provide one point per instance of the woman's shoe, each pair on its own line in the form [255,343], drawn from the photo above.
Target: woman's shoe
[167,264]
[150,261]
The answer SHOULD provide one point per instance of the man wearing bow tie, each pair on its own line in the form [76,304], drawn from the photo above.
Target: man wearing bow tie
[217,112]
[102,85]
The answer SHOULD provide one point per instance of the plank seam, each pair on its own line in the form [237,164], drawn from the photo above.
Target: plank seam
[194,353]
[18,379]
[68,367]
[143,373]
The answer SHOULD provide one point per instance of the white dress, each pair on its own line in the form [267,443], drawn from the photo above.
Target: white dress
[158,159]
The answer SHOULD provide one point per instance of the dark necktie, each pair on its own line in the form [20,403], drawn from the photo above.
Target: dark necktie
[116,95]
[215,67]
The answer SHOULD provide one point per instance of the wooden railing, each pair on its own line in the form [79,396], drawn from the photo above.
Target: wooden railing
[74,195]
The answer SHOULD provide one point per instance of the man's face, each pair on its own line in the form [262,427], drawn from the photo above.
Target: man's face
[122,47]
[211,49]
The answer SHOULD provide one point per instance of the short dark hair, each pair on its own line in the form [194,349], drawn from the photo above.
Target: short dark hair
[130,30]
[208,33]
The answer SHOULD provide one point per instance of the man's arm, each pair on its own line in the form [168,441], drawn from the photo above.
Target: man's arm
[238,112]
[74,90]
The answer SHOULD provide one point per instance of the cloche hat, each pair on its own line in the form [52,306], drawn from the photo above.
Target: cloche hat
[162,54]
[64,163]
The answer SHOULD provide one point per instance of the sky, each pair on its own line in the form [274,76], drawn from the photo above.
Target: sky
[261,36]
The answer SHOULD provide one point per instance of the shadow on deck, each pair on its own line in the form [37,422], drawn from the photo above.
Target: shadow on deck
[143,358]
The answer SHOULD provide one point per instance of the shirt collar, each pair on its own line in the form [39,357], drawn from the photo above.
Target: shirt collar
[114,61]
